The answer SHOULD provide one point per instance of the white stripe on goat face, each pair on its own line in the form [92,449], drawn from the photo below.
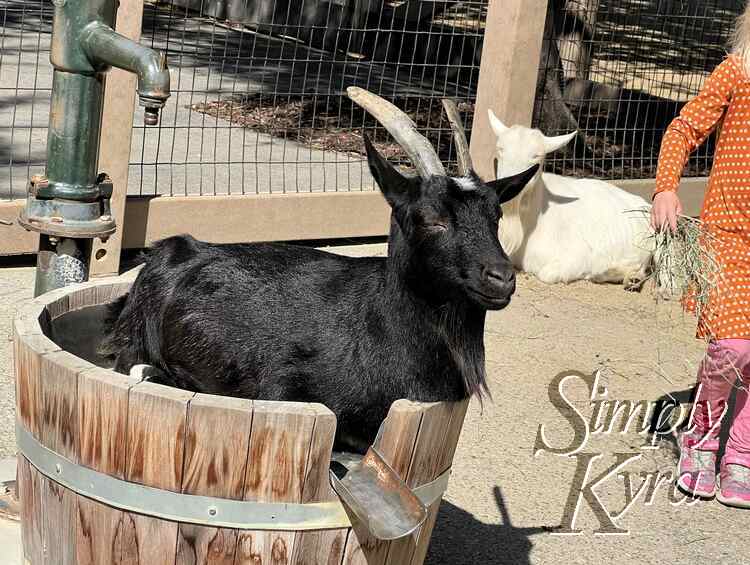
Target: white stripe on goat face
[467,184]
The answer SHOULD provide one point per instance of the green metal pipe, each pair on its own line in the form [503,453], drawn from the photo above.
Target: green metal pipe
[69,205]
[73,138]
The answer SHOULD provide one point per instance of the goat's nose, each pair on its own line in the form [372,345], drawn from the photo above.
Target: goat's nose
[503,279]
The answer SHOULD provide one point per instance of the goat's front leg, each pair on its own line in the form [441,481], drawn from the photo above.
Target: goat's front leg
[634,281]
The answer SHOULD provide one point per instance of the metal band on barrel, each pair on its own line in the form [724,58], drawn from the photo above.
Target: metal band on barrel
[194,509]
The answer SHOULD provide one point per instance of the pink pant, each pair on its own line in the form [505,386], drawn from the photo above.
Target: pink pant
[725,362]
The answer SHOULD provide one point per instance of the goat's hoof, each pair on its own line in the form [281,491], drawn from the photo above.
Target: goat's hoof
[633,284]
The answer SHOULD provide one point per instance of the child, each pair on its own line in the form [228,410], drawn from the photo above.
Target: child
[725,322]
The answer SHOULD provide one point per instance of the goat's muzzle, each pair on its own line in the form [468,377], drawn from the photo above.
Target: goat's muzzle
[497,285]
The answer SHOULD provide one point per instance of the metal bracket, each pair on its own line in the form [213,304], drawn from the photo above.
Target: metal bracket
[69,218]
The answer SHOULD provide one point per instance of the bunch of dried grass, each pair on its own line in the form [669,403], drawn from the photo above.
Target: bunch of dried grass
[685,262]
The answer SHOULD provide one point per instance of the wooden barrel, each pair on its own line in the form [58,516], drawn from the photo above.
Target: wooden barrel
[106,461]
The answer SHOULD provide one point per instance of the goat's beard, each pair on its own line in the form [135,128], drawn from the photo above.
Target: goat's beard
[463,330]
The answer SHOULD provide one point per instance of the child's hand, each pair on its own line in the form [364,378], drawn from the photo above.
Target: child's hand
[666,208]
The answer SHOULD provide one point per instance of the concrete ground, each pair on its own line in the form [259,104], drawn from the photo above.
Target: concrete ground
[504,504]
[10,531]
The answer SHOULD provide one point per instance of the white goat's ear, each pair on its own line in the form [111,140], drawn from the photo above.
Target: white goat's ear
[497,126]
[552,144]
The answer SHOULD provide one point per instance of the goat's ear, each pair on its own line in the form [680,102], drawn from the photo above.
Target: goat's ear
[552,144]
[396,188]
[509,187]
[497,126]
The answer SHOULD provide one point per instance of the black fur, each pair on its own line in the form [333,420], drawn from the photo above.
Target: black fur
[280,322]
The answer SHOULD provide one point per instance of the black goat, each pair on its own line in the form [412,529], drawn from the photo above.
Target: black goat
[279,322]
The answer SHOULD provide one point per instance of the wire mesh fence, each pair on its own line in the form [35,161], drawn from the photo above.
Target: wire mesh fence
[258,90]
[258,100]
[619,71]
[25,88]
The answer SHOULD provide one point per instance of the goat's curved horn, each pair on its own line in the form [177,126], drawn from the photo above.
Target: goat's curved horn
[404,131]
[459,137]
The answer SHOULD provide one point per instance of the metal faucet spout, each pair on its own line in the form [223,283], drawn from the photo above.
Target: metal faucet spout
[107,47]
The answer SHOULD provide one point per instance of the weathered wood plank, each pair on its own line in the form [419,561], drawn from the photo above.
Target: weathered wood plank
[396,444]
[216,448]
[454,434]
[57,304]
[156,435]
[57,430]
[112,290]
[249,548]
[28,321]
[58,523]
[445,459]
[430,444]
[32,519]
[97,528]
[425,466]
[199,545]
[218,438]
[323,547]
[277,464]
[512,40]
[399,435]
[27,352]
[54,302]
[425,533]
[155,448]
[102,413]
[83,297]
[58,397]
[144,540]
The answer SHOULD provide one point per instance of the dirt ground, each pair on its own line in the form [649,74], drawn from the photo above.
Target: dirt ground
[506,506]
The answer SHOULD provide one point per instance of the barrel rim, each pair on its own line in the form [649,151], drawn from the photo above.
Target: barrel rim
[30,318]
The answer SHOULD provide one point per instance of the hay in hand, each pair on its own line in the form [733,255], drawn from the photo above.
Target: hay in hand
[685,262]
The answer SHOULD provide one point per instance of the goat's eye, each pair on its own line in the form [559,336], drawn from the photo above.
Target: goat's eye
[437,227]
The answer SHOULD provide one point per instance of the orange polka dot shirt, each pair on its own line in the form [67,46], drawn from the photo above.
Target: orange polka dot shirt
[726,208]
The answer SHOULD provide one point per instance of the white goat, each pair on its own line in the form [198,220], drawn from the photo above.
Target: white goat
[564,229]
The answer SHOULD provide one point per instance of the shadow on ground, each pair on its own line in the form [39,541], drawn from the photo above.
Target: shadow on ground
[459,537]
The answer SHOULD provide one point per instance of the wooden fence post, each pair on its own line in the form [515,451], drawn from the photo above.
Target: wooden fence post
[114,144]
[508,73]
